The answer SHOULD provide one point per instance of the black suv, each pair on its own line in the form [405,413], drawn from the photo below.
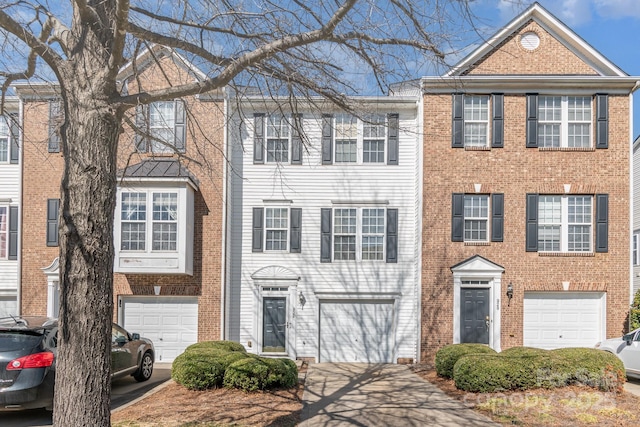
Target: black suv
[27,360]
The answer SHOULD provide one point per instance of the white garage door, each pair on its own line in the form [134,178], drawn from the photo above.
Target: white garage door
[356,331]
[170,322]
[8,306]
[567,319]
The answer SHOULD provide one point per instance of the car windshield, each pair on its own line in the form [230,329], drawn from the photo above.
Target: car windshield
[19,340]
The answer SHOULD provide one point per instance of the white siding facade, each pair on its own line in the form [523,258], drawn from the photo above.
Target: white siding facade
[299,282]
[9,198]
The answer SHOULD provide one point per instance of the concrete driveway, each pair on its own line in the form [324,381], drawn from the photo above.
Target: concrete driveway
[341,394]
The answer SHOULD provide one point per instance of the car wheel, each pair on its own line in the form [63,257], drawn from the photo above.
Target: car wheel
[145,369]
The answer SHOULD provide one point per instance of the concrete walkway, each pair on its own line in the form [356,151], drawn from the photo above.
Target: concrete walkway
[347,394]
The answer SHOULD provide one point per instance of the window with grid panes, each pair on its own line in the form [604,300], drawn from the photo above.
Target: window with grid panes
[162,123]
[133,217]
[476,120]
[278,135]
[165,221]
[373,137]
[373,234]
[344,234]
[476,218]
[564,121]
[565,223]
[346,138]
[4,140]
[277,228]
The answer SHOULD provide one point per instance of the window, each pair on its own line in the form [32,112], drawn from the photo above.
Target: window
[346,138]
[477,217]
[372,139]
[161,127]
[56,118]
[359,234]
[476,121]
[564,223]
[636,251]
[277,229]
[4,140]
[163,222]
[278,133]
[471,118]
[4,231]
[564,121]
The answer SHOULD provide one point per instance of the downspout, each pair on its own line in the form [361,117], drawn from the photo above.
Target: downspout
[20,207]
[419,214]
[224,318]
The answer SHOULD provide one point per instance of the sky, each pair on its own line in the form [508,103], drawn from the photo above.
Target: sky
[612,27]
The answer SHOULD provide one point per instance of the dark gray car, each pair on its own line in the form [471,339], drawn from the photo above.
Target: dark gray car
[28,348]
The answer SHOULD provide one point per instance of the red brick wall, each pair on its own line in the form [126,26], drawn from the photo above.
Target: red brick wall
[205,136]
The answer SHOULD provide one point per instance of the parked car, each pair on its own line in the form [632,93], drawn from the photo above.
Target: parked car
[627,348]
[28,348]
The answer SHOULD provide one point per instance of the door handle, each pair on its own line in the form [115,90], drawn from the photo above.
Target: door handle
[487,321]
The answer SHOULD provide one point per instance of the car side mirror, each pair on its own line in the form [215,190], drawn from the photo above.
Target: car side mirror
[628,338]
[135,336]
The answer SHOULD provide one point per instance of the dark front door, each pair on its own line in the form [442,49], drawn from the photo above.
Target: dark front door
[474,313]
[274,325]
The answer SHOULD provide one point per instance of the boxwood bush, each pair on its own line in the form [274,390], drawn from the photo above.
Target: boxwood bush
[211,364]
[448,355]
[523,368]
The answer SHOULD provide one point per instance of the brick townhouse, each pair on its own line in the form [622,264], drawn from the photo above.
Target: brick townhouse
[169,217]
[526,192]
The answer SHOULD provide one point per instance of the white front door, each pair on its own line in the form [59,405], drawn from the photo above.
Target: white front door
[170,322]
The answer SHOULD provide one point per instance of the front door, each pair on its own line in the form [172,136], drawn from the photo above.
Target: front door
[474,314]
[274,325]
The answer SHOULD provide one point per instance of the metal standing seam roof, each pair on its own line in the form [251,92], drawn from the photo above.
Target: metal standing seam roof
[162,168]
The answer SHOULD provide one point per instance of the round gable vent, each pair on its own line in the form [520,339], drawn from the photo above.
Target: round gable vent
[530,40]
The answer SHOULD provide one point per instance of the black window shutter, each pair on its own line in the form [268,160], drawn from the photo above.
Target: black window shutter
[296,140]
[457,134]
[14,131]
[258,230]
[55,111]
[325,234]
[296,230]
[497,125]
[497,217]
[327,139]
[457,217]
[53,212]
[180,126]
[532,223]
[393,125]
[13,232]
[142,131]
[532,120]
[602,121]
[392,235]
[258,138]
[602,223]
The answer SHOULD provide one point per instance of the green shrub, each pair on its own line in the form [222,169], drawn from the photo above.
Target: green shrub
[523,368]
[634,314]
[217,345]
[448,355]
[260,373]
[197,370]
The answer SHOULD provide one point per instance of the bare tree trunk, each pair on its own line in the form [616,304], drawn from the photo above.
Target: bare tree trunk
[86,259]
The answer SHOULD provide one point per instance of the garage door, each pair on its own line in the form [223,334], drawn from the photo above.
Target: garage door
[356,331]
[557,320]
[8,306]
[170,322]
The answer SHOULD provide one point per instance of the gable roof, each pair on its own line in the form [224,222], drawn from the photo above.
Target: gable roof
[555,27]
[149,56]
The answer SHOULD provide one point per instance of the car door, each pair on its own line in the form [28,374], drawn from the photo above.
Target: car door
[630,355]
[122,356]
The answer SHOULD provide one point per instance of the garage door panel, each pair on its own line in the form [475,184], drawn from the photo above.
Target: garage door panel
[356,332]
[170,322]
[556,320]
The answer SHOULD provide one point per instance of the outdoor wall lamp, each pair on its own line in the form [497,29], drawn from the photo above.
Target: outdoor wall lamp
[509,293]
[301,299]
